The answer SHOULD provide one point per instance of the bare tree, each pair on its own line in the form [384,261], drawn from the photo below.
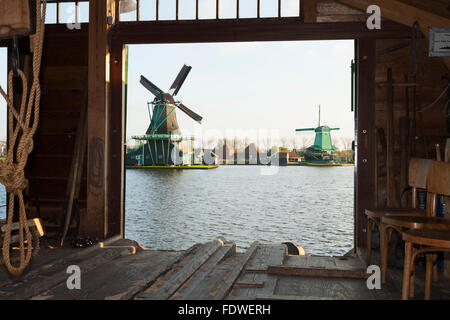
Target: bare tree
[346,143]
[293,142]
[306,142]
[284,141]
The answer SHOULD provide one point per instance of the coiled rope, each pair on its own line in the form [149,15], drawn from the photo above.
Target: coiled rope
[12,174]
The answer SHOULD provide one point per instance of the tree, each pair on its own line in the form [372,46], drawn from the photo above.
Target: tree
[306,142]
[346,143]
[284,141]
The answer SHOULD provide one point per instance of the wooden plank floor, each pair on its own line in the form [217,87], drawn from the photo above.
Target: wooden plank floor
[121,269]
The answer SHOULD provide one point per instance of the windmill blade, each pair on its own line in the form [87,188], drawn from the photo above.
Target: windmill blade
[307,129]
[151,87]
[182,75]
[190,113]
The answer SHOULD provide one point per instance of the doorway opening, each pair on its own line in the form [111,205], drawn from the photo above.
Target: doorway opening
[250,95]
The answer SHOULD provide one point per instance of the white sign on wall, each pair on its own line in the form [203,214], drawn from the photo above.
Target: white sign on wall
[439,42]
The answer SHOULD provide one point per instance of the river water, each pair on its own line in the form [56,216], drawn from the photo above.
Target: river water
[174,209]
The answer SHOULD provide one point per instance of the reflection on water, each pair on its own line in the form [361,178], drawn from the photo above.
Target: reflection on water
[174,209]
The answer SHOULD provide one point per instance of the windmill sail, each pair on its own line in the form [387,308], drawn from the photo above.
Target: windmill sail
[163,118]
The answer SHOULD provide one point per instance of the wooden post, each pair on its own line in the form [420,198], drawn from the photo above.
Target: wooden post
[196,9]
[138,10]
[116,145]
[94,223]
[391,190]
[404,126]
[258,15]
[364,135]
[308,9]
[217,9]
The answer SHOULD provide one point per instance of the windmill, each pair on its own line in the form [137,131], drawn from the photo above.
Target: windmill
[322,149]
[162,140]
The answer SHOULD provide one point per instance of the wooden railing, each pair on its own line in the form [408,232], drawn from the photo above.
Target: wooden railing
[306,10]
[217,16]
[56,14]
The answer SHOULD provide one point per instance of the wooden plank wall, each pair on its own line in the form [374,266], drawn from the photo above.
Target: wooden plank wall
[431,124]
[64,79]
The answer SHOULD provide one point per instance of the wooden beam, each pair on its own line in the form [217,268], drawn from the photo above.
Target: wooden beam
[391,185]
[365,135]
[309,10]
[116,144]
[316,272]
[405,14]
[233,30]
[94,223]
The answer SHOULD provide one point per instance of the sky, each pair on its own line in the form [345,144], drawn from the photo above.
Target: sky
[251,89]
[243,88]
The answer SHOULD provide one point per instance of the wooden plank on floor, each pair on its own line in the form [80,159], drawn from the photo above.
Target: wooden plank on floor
[326,288]
[123,278]
[348,263]
[180,277]
[116,279]
[296,261]
[45,280]
[53,259]
[317,272]
[267,255]
[213,281]
[148,281]
[248,280]
[193,288]
[320,262]
[235,272]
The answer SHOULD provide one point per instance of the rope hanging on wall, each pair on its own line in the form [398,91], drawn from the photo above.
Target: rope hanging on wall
[22,124]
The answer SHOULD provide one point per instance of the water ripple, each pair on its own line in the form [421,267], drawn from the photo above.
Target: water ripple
[170,209]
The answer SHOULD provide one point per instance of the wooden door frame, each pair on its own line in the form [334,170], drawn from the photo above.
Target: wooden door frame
[150,32]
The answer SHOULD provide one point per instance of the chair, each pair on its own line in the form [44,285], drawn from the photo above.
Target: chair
[434,241]
[417,179]
[438,184]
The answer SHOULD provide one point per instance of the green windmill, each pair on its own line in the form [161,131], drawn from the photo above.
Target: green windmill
[322,150]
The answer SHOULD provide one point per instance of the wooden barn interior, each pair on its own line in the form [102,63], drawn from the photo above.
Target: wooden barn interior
[401,112]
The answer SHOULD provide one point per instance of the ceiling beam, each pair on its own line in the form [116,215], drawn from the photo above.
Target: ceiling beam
[405,14]
[231,30]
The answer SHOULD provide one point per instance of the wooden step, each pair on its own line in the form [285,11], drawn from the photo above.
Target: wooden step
[171,285]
